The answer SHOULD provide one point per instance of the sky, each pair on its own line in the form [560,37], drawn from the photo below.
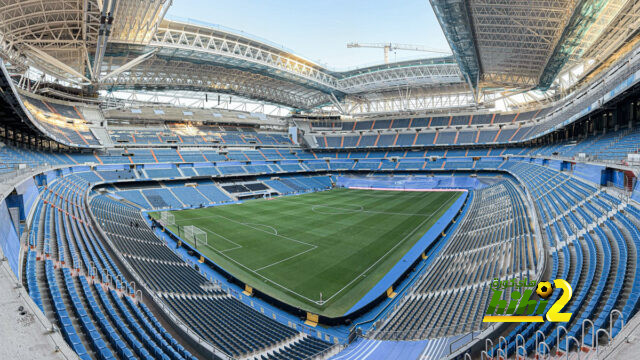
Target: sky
[320,29]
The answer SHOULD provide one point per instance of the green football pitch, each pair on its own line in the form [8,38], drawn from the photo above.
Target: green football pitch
[320,251]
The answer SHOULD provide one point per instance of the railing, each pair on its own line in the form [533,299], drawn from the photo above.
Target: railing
[326,353]
[592,93]
[610,347]
[414,335]
[154,297]
[21,169]
[8,179]
[406,289]
[57,341]
[623,194]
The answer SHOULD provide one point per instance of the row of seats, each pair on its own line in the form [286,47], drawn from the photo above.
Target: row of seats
[415,139]
[614,145]
[244,188]
[214,315]
[62,197]
[198,135]
[493,241]
[592,236]
[428,122]
[199,193]
[64,122]
[69,272]
[198,162]
[556,196]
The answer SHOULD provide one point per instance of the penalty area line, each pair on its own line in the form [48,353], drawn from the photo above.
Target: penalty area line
[283,260]
[266,279]
[363,274]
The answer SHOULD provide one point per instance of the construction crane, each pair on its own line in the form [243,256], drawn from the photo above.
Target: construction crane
[392,47]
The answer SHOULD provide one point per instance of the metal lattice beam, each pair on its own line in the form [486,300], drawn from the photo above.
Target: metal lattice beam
[226,48]
[620,28]
[205,47]
[610,11]
[136,21]
[61,29]
[516,38]
[161,74]
[454,19]
[412,75]
[586,13]
[413,100]
[512,44]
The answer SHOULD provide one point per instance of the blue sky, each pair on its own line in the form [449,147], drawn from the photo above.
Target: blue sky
[320,29]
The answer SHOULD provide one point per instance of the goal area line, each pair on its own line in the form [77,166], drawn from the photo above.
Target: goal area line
[379,287]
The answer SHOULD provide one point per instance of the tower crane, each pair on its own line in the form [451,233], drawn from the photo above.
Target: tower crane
[392,47]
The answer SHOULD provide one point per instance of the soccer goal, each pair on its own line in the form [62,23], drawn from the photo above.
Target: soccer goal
[167,218]
[195,235]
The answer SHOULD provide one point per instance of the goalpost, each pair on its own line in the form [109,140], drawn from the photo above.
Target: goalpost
[195,235]
[167,218]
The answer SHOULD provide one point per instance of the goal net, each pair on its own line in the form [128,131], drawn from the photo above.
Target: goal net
[195,235]
[167,218]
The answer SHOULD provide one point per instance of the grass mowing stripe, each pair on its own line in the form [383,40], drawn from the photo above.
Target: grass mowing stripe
[390,250]
[353,251]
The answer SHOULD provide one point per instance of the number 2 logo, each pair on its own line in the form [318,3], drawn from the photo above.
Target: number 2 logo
[554,313]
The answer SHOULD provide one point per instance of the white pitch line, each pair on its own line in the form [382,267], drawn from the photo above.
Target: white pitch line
[286,289]
[383,256]
[361,206]
[258,229]
[345,211]
[251,227]
[390,250]
[355,211]
[221,251]
[275,232]
[313,247]
[283,260]
[237,246]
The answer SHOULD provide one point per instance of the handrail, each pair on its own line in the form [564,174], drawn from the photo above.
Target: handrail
[488,341]
[568,340]
[620,316]
[214,350]
[42,319]
[538,332]
[326,352]
[548,349]
[597,335]
[92,269]
[413,335]
[592,332]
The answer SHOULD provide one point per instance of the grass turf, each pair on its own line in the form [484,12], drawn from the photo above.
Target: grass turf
[339,243]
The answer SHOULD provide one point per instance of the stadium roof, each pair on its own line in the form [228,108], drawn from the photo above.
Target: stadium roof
[129,45]
[517,43]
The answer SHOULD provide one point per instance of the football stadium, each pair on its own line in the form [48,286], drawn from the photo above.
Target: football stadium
[175,189]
